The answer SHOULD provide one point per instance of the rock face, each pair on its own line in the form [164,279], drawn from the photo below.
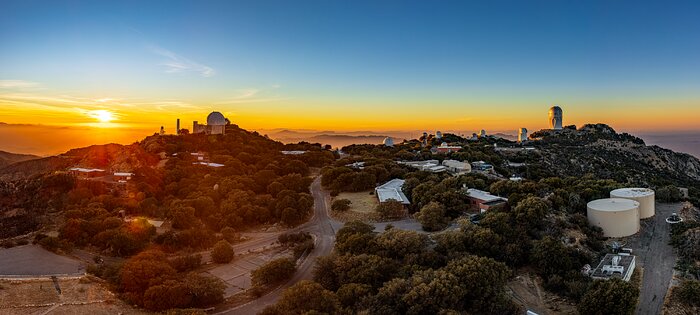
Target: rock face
[597,149]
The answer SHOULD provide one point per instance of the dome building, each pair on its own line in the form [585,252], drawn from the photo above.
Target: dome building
[522,134]
[438,135]
[616,216]
[555,118]
[388,142]
[216,125]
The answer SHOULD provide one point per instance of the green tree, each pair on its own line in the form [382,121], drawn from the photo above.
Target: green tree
[222,252]
[170,294]
[273,272]
[352,293]
[306,297]
[390,209]
[432,217]
[609,297]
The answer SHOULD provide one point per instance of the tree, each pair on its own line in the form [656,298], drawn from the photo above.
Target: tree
[609,297]
[355,237]
[390,209]
[170,294]
[306,297]
[274,271]
[550,257]
[482,280]
[222,252]
[341,205]
[398,244]
[668,194]
[432,217]
[205,291]
[142,271]
[531,212]
[352,293]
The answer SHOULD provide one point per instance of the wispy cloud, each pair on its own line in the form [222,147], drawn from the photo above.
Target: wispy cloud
[175,63]
[251,95]
[13,84]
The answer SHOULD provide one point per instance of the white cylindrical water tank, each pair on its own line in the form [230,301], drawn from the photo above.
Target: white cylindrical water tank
[616,216]
[644,196]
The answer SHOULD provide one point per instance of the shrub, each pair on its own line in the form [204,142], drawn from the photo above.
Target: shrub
[688,292]
[187,262]
[274,271]
[222,252]
[341,205]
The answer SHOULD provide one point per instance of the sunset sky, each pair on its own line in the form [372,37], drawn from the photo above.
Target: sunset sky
[91,72]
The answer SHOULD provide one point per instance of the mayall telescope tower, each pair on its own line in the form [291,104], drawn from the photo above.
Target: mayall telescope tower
[555,118]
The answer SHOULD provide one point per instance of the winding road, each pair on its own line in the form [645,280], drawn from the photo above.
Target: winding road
[321,226]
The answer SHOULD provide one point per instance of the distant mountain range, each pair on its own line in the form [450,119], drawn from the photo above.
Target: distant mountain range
[7,158]
[341,139]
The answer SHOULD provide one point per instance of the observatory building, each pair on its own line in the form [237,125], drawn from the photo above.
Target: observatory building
[644,196]
[616,216]
[522,134]
[438,135]
[388,142]
[216,125]
[555,118]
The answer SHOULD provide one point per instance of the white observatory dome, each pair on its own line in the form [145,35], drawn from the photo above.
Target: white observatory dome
[216,119]
[388,142]
[438,135]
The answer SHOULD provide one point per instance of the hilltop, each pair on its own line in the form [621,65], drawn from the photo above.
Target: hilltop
[599,150]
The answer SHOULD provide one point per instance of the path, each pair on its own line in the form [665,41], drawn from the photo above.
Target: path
[657,258]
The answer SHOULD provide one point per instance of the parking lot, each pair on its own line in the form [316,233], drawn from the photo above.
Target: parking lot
[32,261]
[237,276]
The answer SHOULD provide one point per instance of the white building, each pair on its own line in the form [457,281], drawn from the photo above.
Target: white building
[391,190]
[522,134]
[455,167]
[388,142]
[555,118]
[432,166]
[615,266]
[216,125]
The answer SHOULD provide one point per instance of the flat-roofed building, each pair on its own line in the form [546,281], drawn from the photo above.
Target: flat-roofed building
[615,266]
[446,148]
[483,199]
[455,167]
[391,190]
[87,172]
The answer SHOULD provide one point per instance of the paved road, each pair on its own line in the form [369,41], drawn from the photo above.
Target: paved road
[322,227]
[657,258]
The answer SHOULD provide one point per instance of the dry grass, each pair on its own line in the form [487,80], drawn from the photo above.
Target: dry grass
[361,207]
[526,290]
[78,296]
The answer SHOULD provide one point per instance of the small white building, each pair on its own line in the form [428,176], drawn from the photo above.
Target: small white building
[391,190]
[615,266]
[455,167]
[293,152]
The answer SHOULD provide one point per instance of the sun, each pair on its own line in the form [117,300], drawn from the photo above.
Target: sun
[103,116]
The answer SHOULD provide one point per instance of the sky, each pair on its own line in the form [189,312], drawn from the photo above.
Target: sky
[117,71]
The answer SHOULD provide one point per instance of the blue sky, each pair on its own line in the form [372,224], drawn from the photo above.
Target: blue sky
[328,57]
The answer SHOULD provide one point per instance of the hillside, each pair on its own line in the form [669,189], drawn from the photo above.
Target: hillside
[597,149]
[7,158]
[110,157]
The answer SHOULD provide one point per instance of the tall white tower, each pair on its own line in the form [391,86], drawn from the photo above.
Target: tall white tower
[522,134]
[555,118]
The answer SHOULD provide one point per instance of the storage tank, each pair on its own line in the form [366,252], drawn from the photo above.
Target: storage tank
[644,196]
[617,217]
